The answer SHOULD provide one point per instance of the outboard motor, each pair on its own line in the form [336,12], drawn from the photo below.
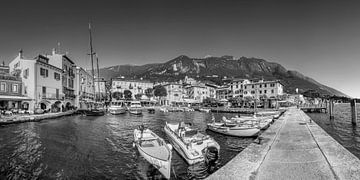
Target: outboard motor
[211,155]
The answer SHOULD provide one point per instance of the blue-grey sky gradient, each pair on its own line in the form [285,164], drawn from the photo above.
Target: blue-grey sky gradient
[320,39]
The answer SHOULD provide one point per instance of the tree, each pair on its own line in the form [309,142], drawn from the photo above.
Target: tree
[149,92]
[127,94]
[117,95]
[160,91]
[138,96]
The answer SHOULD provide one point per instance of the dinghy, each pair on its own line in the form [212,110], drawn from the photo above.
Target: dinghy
[154,150]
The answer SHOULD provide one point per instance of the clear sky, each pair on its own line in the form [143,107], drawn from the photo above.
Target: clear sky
[320,39]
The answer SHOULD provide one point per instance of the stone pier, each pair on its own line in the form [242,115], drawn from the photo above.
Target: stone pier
[294,147]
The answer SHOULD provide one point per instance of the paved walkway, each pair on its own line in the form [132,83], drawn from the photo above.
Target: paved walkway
[293,148]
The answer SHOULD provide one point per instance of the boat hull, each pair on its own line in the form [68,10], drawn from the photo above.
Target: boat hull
[95,112]
[135,111]
[234,131]
[117,111]
[163,165]
[180,149]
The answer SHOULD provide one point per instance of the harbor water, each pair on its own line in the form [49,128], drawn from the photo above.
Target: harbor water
[340,128]
[81,147]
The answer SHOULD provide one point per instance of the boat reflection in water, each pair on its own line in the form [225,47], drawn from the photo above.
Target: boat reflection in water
[100,147]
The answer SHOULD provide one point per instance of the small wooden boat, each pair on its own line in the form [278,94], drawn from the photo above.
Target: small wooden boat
[117,107]
[154,150]
[135,108]
[237,130]
[192,145]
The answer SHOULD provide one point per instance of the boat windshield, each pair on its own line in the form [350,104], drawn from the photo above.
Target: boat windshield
[190,133]
[117,103]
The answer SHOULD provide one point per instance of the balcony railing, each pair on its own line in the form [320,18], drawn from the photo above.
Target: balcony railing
[52,96]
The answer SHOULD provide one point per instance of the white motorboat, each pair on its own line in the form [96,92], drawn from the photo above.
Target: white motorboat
[268,113]
[163,109]
[207,110]
[262,122]
[154,150]
[117,107]
[243,130]
[135,108]
[187,109]
[192,145]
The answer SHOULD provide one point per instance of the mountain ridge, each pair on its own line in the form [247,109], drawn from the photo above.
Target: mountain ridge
[215,68]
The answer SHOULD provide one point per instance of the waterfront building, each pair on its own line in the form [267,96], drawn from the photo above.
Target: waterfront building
[269,89]
[223,92]
[134,86]
[197,93]
[237,87]
[4,68]
[11,91]
[211,90]
[100,89]
[84,90]
[189,80]
[175,94]
[42,82]
[62,61]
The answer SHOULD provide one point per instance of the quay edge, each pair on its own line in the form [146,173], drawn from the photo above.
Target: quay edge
[292,148]
[34,117]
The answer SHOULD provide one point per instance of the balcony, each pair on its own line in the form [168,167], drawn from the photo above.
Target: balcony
[52,96]
[86,96]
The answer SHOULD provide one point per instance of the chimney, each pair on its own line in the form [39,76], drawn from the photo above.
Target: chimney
[53,51]
[21,54]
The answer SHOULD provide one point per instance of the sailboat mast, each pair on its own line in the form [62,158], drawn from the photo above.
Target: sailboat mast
[98,75]
[92,60]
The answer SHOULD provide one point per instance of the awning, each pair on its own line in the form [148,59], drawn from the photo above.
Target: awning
[14,98]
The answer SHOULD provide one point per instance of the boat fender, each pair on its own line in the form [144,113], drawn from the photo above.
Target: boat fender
[133,145]
[170,146]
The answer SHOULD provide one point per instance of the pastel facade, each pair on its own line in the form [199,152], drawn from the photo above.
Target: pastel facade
[237,87]
[175,94]
[42,82]
[84,90]
[100,89]
[135,86]
[11,92]
[270,89]
[63,62]
[223,92]
[197,93]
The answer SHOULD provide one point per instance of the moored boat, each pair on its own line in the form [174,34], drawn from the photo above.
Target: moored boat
[117,107]
[244,130]
[94,112]
[207,110]
[135,108]
[163,109]
[154,150]
[192,145]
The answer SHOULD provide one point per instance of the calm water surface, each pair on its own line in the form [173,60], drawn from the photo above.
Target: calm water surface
[80,147]
[340,128]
